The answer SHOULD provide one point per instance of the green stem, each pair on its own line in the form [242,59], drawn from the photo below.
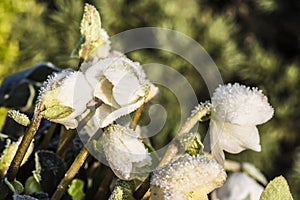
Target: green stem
[201,113]
[66,136]
[136,117]
[63,185]
[22,148]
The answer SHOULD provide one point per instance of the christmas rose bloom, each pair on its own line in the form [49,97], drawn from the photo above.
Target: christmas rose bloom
[239,186]
[235,112]
[124,151]
[188,177]
[65,96]
[120,85]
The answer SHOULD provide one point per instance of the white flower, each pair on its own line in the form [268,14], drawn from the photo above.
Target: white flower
[239,186]
[236,110]
[65,96]
[187,178]
[121,85]
[124,152]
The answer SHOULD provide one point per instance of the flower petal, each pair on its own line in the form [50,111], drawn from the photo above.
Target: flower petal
[123,150]
[108,114]
[234,138]
[103,91]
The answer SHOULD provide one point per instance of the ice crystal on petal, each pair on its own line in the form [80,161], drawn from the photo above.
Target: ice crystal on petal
[124,151]
[186,175]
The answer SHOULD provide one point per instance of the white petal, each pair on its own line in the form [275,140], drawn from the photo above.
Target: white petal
[234,138]
[108,114]
[239,186]
[241,105]
[123,149]
[75,92]
[128,90]
[103,91]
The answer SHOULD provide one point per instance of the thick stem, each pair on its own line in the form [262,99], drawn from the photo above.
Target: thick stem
[136,117]
[142,189]
[22,148]
[63,185]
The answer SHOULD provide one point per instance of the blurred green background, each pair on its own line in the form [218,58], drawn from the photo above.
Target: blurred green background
[256,43]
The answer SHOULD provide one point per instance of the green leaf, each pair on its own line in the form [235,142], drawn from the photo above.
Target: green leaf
[277,189]
[19,117]
[15,186]
[32,186]
[76,189]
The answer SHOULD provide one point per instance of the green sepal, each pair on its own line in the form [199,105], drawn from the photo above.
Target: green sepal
[57,112]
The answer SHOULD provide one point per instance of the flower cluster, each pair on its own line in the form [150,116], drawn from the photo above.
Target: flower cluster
[118,83]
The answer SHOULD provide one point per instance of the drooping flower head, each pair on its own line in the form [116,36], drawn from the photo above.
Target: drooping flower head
[239,186]
[121,85]
[186,177]
[236,110]
[124,151]
[65,96]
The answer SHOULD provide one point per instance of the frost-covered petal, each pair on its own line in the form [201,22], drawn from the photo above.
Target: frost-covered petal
[241,105]
[123,150]
[235,138]
[188,174]
[239,186]
[65,97]
[108,114]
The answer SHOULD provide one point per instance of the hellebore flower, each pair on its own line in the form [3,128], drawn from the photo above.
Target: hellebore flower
[121,85]
[188,177]
[65,96]
[124,152]
[239,186]
[236,110]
